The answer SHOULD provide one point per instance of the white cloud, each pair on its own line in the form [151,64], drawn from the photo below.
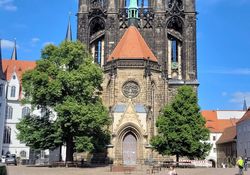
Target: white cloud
[34,41]
[237,71]
[238,98]
[7,44]
[8,5]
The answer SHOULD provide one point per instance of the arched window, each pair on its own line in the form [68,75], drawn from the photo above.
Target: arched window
[23,154]
[175,24]
[25,111]
[7,135]
[9,112]
[97,25]
[97,32]
[175,29]
[13,91]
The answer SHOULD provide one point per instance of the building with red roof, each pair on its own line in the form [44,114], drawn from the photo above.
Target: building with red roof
[219,123]
[13,70]
[226,147]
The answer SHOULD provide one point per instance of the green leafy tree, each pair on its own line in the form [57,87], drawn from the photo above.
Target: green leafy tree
[181,127]
[67,81]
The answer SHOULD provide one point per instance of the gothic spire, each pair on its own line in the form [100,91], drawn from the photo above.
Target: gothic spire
[69,31]
[14,53]
[2,77]
[244,105]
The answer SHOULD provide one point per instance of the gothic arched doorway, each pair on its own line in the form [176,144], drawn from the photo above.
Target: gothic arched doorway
[129,149]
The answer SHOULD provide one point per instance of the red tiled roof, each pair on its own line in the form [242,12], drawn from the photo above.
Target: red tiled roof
[228,135]
[217,125]
[245,117]
[18,66]
[132,46]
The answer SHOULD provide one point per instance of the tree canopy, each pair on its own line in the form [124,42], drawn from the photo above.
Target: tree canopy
[66,81]
[181,127]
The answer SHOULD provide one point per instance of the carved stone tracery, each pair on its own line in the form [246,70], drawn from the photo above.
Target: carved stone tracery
[175,6]
[131,89]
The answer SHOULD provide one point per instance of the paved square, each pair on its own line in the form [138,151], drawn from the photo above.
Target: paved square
[141,170]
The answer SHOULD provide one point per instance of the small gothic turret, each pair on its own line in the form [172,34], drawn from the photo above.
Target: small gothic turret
[14,53]
[69,31]
[244,105]
[133,13]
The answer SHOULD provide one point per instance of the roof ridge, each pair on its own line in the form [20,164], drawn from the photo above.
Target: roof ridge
[132,46]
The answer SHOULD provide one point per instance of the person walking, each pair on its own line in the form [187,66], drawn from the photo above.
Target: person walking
[240,164]
[245,163]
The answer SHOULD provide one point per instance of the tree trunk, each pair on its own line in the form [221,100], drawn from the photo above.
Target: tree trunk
[69,150]
[60,153]
[177,160]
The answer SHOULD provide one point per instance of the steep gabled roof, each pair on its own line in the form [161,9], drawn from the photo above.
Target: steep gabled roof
[245,117]
[216,125]
[19,66]
[132,46]
[229,135]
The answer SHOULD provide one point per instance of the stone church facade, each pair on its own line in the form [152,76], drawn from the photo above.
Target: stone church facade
[147,49]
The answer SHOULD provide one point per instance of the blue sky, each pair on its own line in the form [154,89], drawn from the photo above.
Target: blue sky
[223,38]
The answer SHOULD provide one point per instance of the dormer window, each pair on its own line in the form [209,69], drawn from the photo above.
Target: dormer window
[13,91]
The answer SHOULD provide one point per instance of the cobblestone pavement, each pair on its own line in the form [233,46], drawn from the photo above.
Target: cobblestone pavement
[23,170]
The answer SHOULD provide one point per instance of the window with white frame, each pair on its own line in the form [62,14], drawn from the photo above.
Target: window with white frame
[7,135]
[25,111]
[9,112]
[13,91]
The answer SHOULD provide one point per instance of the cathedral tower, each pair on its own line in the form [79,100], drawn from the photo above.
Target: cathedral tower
[147,48]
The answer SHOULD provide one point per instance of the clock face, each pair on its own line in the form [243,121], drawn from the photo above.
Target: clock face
[131,89]
[174,65]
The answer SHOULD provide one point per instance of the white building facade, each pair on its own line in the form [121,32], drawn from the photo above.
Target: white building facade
[12,110]
[217,121]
